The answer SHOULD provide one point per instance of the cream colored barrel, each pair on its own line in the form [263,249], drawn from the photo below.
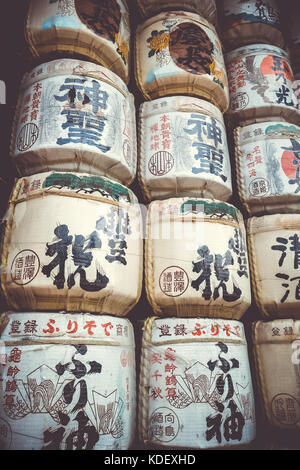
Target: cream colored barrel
[196,262]
[67,382]
[195,384]
[74,116]
[205,8]
[267,156]
[250,22]
[276,346]
[72,242]
[273,243]
[183,149]
[261,85]
[179,53]
[97,31]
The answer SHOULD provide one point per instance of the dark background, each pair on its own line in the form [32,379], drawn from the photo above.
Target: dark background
[15,60]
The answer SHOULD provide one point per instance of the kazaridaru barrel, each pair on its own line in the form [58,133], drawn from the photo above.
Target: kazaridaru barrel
[195,381]
[196,261]
[183,149]
[261,85]
[267,159]
[179,53]
[97,31]
[250,22]
[274,247]
[73,115]
[67,382]
[72,242]
[276,346]
[205,8]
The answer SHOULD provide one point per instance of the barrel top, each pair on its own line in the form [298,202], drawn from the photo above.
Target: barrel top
[255,49]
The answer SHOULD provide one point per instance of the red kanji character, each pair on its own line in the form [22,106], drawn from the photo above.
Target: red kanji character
[156,358]
[15,355]
[105,326]
[89,325]
[50,327]
[35,104]
[27,99]
[171,393]
[11,386]
[24,118]
[12,371]
[164,118]
[156,375]
[170,354]
[37,86]
[171,380]
[170,368]
[154,128]
[34,115]
[70,326]
[156,393]
[215,329]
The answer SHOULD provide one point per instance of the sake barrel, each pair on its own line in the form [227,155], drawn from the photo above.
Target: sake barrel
[206,8]
[267,156]
[183,399]
[260,85]
[179,53]
[196,261]
[97,31]
[248,22]
[276,346]
[73,115]
[183,149]
[72,242]
[67,382]
[273,243]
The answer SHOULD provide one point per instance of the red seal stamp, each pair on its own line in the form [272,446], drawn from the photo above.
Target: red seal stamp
[25,266]
[161,163]
[173,281]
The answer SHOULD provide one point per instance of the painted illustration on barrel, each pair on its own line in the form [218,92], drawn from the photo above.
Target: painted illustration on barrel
[195,385]
[260,78]
[96,30]
[76,392]
[268,162]
[175,49]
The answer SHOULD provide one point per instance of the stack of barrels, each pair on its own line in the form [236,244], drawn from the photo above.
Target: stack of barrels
[72,244]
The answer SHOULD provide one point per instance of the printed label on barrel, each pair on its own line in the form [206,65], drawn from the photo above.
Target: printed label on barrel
[215,392]
[236,12]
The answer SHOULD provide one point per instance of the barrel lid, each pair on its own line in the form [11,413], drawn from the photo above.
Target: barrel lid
[191,330]
[79,184]
[73,67]
[255,49]
[66,328]
[187,104]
